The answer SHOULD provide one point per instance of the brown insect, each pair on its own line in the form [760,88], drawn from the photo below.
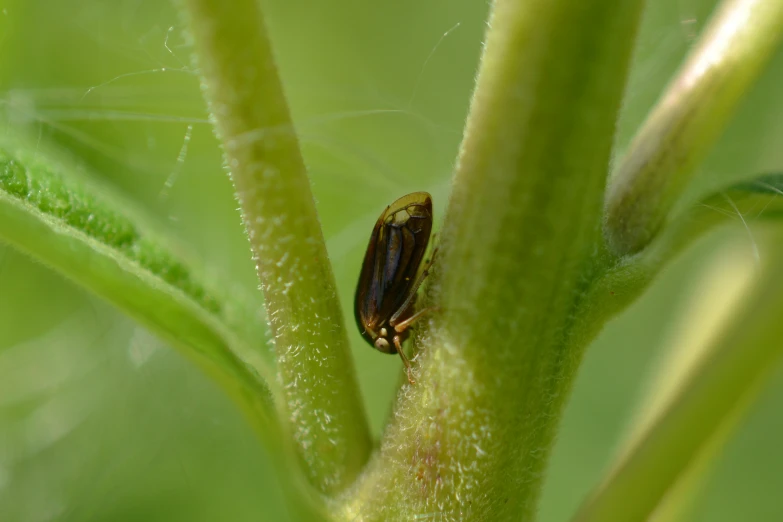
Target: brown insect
[391,275]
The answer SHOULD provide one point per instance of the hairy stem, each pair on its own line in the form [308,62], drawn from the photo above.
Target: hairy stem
[262,153]
[519,244]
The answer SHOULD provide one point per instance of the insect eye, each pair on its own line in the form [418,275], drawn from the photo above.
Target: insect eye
[381,343]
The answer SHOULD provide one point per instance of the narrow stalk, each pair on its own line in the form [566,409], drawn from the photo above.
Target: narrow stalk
[734,362]
[690,116]
[520,241]
[715,299]
[246,99]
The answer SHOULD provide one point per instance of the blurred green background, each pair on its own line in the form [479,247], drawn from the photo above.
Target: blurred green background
[100,421]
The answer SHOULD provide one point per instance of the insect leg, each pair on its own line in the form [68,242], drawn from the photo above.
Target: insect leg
[405,323]
[398,345]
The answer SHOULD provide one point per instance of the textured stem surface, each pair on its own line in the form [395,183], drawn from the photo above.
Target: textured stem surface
[522,232]
[253,122]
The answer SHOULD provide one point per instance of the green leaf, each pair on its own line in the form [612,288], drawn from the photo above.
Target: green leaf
[51,212]
[733,357]
[691,114]
[760,198]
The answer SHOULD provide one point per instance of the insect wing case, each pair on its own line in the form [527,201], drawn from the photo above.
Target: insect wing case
[396,250]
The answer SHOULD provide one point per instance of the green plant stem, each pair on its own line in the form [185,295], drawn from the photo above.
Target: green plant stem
[739,359]
[519,245]
[262,153]
[717,294]
[690,116]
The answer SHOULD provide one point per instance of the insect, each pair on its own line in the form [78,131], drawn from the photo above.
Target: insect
[391,275]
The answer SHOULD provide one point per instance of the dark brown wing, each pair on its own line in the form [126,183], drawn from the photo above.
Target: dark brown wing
[365,299]
[396,250]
